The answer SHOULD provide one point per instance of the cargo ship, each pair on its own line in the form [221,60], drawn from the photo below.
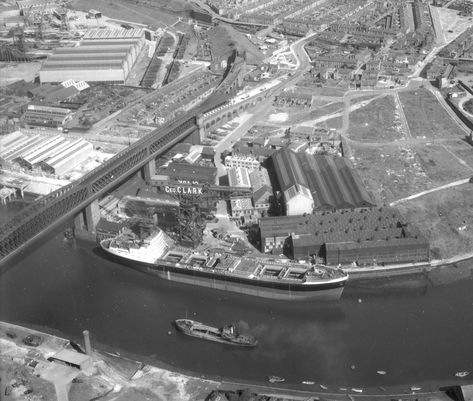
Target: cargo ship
[257,276]
[226,335]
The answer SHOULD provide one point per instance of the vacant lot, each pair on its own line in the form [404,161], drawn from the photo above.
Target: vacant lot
[156,13]
[396,172]
[378,121]
[426,117]
[328,109]
[445,218]
[461,149]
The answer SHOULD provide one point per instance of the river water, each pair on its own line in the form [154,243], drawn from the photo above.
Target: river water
[417,331]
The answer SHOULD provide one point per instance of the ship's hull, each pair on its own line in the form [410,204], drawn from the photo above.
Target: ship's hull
[272,289]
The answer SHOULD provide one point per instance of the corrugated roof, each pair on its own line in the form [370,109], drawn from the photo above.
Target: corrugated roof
[288,169]
[363,224]
[91,49]
[87,56]
[92,66]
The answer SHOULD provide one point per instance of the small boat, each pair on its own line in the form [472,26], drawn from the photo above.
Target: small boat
[323,387]
[308,382]
[357,390]
[381,372]
[462,374]
[227,334]
[343,389]
[276,379]
[415,388]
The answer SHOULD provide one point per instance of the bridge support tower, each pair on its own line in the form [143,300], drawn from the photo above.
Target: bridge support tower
[88,218]
[148,170]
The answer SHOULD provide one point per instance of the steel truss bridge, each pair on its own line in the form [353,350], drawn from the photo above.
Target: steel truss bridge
[73,198]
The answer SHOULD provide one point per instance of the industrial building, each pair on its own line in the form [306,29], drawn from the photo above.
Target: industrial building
[190,173]
[67,158]
[239,177]
[54,155]
[319,182]
[250,209]
[48,116]
[235,161]
[262,190]
[104,55]
[297,198]
[364,236]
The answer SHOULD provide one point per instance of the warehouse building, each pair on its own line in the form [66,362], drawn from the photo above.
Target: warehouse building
[296,196]
[68,158]
[239,177]
[47,148]
[362,236]
[103,56]
[20,145]
[54,155]
[262,190]
[319,182]
[48,116]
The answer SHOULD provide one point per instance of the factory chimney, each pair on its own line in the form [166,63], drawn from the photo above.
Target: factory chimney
[88,348]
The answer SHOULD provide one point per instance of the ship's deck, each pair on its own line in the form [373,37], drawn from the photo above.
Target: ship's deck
[252,267]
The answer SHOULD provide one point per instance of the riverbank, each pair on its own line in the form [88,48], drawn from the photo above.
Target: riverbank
[24,372]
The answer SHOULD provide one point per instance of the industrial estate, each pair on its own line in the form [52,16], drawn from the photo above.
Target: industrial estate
[285,143]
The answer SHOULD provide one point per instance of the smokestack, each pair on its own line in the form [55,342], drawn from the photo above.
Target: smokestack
[88,348]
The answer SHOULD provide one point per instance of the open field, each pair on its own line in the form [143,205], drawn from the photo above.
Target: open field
[331,108]
[462,149]
[12,72]
[397,171]
[425,115]
[156,13]
[445,218]
[378,121]
[452,23]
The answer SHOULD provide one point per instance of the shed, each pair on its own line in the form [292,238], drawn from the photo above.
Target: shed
[72,358]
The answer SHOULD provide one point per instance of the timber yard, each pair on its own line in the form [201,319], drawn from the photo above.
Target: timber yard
[261,148]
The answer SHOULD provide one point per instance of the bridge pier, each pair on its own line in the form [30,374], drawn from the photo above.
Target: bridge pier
[148,170]
[88,218]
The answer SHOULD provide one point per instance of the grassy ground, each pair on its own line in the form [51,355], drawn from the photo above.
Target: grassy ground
[327,109]
[376,122]
[425,116]
[406,170]
[448,212]
[156,13]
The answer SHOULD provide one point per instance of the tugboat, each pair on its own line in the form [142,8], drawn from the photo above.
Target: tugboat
[226,335]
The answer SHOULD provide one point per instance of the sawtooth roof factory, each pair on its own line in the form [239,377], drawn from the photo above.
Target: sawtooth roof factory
[103,56]
[53,155]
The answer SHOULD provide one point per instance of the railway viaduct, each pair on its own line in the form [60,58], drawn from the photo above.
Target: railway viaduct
[81,197]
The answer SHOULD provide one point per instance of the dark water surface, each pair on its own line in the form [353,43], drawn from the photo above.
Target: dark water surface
[419,333]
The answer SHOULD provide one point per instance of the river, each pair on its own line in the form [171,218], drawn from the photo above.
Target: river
[418,331]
